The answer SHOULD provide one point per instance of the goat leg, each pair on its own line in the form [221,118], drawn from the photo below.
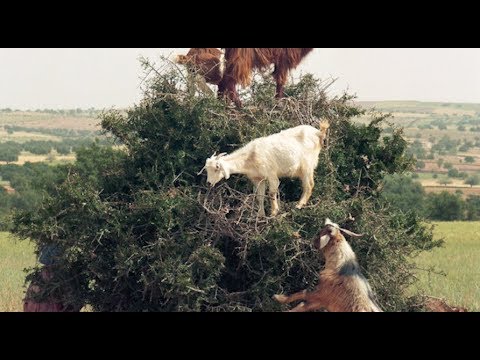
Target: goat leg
[285,299]
[304,307]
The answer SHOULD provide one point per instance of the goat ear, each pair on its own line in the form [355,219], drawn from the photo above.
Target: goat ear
[322,241]
[225,172]
[348,232]
[329,222]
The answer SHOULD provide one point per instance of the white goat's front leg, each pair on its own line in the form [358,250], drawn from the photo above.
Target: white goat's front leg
[259,188]
[273,184]
[307,184]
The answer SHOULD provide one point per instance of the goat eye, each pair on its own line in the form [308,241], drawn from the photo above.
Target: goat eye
[217,166]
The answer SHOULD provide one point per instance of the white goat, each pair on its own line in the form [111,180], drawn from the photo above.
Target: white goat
[341,286]
[290,153]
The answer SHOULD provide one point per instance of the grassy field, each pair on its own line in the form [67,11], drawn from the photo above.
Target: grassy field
[14,257]
[49,121]
[28,157]
[459,259]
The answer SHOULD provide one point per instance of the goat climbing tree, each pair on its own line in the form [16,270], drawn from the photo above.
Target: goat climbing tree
[139,230]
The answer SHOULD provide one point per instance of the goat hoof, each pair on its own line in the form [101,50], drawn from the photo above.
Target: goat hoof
[280,298]
[299,206]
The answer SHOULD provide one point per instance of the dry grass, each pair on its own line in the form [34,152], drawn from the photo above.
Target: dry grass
[27,157]
[466,191]
[49,121]
[22,136]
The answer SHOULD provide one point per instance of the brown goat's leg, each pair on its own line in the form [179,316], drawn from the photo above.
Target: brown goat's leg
[235,98]
[286,299]
[280,77]
[221,89]
[304,307]
[280,90]
[226,89]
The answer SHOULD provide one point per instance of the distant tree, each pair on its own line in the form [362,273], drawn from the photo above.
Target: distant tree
[435,176]
[453,173]
[9,153]
[469,159]
[473,180]
[447,165]
[445,206]
[416,149]
[464,147]
[472,205]
[444,181]
[440,162]
[420,165]
[461,128]
[404,193]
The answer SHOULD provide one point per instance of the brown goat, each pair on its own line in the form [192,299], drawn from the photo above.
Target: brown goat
[341,287]
[240,63]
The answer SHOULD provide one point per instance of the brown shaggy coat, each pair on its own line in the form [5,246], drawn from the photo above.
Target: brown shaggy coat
[240,63]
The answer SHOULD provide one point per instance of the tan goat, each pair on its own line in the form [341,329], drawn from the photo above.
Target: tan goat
[341,287]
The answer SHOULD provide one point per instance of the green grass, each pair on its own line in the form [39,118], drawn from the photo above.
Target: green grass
[14,257]
[459,259]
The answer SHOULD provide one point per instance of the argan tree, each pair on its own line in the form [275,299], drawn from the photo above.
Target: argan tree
[139,230]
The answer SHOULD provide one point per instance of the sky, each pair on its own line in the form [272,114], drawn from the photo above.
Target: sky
[43,78]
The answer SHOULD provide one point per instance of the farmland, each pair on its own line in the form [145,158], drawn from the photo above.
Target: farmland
[442,136]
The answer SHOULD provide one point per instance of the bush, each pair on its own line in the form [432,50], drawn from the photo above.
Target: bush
[453,172]
[144,233]
[445,206]
[473,180]
[402,192]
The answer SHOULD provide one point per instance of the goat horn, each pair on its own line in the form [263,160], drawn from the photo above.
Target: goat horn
[201,170]
[348,232]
